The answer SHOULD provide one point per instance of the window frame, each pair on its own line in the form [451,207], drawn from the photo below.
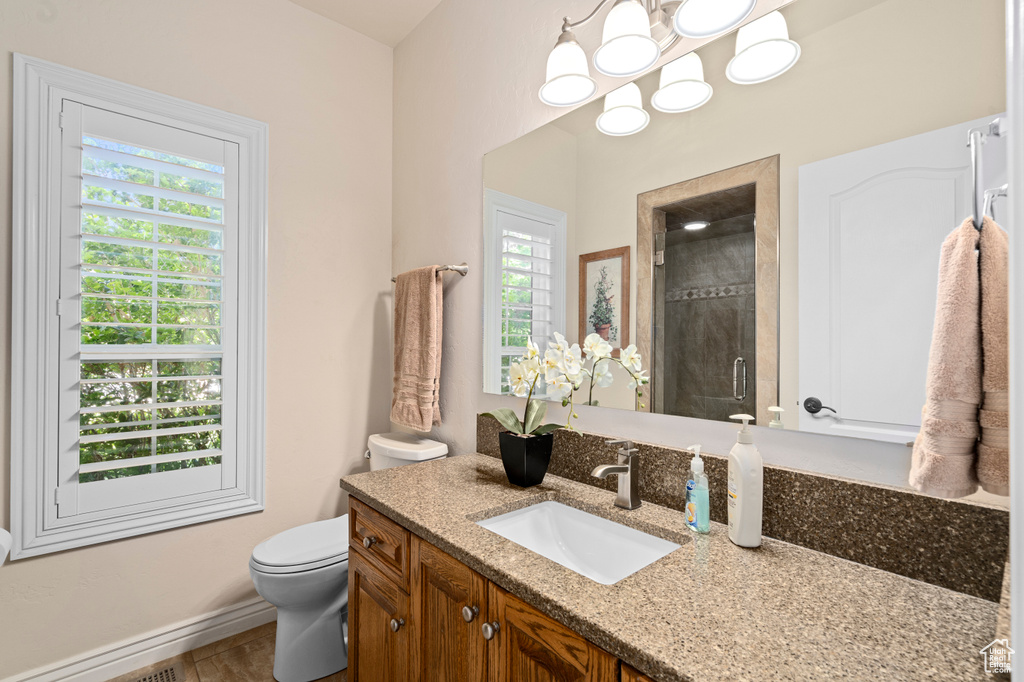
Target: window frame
[495,202]
[39,90]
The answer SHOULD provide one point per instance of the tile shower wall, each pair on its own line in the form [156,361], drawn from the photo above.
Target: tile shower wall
[709,316]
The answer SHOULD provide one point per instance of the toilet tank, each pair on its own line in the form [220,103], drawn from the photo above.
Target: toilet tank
[398,449]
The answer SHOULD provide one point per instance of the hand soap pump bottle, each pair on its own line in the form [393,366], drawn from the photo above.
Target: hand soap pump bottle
[746,488]
[698,503]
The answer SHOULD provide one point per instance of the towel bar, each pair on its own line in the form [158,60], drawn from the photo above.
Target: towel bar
[461,269]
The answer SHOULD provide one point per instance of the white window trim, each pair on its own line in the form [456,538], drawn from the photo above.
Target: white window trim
[39,87]
[495,201]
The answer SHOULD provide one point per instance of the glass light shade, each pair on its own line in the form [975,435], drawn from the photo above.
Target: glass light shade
[763,51]
[706,18]
[681,87]
[568,76]
[623,112]
[627,47]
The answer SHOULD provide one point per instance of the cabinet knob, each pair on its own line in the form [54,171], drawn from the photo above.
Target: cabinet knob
[469,613]
[490,630]
[368,541]
[396,625]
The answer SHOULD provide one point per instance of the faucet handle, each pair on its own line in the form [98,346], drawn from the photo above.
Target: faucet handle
[627,446]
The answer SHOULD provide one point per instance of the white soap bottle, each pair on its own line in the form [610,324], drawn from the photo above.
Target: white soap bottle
[746,488]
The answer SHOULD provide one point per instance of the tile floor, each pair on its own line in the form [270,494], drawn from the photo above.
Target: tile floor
[246,657]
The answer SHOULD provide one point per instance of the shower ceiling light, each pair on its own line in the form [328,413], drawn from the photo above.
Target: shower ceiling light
[763,51]
[627,47]
[696,225]
[681,87]
[568,75]
[706,18]
[623,112]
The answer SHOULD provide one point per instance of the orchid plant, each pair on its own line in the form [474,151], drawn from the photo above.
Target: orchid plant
[565,369]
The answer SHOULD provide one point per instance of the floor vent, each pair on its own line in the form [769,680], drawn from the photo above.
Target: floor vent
[172,673]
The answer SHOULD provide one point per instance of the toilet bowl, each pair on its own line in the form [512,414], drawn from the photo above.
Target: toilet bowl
[303,571]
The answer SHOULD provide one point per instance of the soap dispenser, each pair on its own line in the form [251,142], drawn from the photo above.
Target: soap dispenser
[776,422]
[746,488]
[698,503]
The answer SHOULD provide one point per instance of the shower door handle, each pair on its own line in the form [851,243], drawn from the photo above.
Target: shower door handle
[739,383]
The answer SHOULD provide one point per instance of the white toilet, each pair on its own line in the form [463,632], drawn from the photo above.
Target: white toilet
[303,571]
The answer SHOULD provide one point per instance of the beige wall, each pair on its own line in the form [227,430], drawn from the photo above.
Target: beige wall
[326,93]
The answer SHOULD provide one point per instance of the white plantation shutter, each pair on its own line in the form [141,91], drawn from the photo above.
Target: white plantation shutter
[525,282]
[148,340]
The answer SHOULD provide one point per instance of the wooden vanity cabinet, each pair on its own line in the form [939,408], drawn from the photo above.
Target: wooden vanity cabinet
[531,646]
[449,601]
[630,675]
[378,625]
[416,613]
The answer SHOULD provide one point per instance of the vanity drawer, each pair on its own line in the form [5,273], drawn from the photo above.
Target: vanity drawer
[383,542]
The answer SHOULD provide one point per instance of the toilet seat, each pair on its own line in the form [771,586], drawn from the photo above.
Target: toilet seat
[303,548]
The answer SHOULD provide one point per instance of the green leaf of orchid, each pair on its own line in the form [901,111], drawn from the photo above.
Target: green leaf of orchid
[546,428]
[535,411]
[507,418]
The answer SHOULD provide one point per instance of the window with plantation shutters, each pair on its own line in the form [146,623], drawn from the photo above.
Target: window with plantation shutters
[146,312]
[153,271]
[524,282]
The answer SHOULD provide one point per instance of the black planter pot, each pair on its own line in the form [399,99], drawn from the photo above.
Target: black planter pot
[525,458]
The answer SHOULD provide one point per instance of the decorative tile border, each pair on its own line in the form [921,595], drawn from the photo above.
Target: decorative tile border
[958,545]
[711,291]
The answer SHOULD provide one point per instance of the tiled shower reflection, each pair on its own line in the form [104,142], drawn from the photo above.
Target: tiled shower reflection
[707,317]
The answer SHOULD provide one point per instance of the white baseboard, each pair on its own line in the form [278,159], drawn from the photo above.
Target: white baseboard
[100,665]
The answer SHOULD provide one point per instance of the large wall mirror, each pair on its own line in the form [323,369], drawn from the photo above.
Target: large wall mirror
[780,242]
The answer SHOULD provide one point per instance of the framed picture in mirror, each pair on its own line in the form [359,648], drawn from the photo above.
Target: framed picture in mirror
[604,296]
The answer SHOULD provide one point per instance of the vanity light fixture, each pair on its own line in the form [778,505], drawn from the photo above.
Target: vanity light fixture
[696,225]
[627,48]
[636,33]
[763,51]
[568,75]
[682,86]
[623,112]
[706,18]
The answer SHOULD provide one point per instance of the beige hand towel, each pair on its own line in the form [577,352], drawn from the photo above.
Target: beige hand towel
[944,451]
[418,314]
[994,448]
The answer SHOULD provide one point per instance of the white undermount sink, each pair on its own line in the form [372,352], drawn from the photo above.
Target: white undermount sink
[602,550]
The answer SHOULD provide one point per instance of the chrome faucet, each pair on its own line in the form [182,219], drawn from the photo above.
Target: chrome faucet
[628,469]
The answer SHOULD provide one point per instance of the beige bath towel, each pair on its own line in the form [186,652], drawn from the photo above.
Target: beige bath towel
[994,448]
[417,349]
[944,451]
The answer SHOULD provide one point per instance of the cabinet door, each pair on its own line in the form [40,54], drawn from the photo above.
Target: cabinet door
[378,629]
[531,647]
[445,647]
[630,675]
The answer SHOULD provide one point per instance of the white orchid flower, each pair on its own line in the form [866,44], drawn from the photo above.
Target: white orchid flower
[630,357]
[531,368]
[560,344]
[596,347]
[532,351]
[517,380]
[602,374]
[559,387]
[572,362]
[552,364]
[639,379]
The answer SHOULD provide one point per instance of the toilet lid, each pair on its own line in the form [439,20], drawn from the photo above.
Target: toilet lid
[306,544]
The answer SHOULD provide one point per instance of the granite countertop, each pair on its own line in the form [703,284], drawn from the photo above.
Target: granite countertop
[709,610]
